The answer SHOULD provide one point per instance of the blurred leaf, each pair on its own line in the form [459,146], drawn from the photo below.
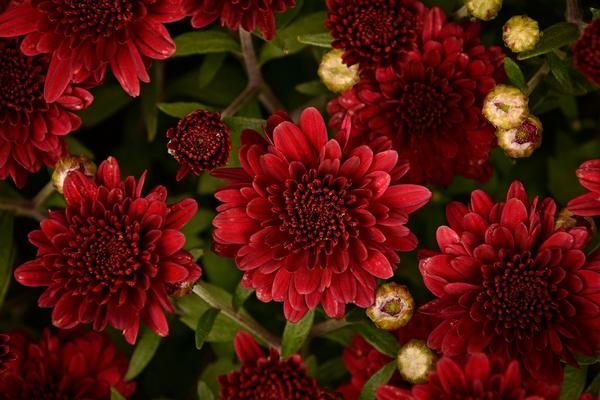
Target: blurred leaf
[240,295]
[310,362]
[108,100]
[238,124]
[205,325]
[181,109]
[196,254]
[77,148]
[115,395]
[383,341]
[595,12]
[295,334]
[150,97]
[208,184]
[560,70]
[331,371]
[7,252]
[379,378]
[317,39]
[573,383]
[553,37]
[220,271]
[204,392]
[341,336]
[514,73]
[585,360]
[312,88]
[594,386]
[210,66]
[144,351]
[285,18]
[204,42]
[220,367]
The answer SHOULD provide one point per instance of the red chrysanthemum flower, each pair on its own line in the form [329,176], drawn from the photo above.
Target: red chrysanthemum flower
[480,378]
[429,105]
[31,129]
[108,258]
[200,142]
[5,354]
[588,205]
[374,32]
[266,377]
[587,52]
[311,220]
[84,37]
[64,366]
[248,14]
[507,283]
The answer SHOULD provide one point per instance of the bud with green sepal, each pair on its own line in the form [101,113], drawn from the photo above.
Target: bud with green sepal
[393,308]
[70,164]
[337,76]
[484,10]
[522,141]
[505,107]
[521,33]
[415,361]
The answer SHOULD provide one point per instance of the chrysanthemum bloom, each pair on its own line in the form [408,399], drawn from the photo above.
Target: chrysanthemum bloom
[64,366]
[248,14]
[588,205]
[430,104]
[32,130]
[311,220]
[507,283]
[84,37]
[5,354]
[266,377]
[199,142]
[374,32]
[587,52]
[108,257]
[480,378]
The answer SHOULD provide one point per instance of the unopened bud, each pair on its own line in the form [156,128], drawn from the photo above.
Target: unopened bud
[522,141]
[521,33]
[415,361]
[483,9]
[565,220]
[179,289]
[394,307]
[71,164]
[336,75]
[505,107]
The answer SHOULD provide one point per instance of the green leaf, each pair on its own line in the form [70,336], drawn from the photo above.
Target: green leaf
[108,100]
[205,325]
[295,334]
[383,341]
[595,12]
[205,42]
[594,386]
[381,377]
[553,37]
[317,39]
[204,392]
[220,367]
[514,73]
[238,124]
[560,70]
[312,88]
[209,69]
[115,395]
[240,295]
[330,371]
[150,97]
[573,383]
[7,252]
[181,109]
[144,351]
[585,360]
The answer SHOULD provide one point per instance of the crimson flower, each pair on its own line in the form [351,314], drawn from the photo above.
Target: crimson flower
[31,129]
[5,354]
[235,13]
[267,377]
[112,255]
[508,284]
[199,142]
[429,103]
[588,205]
[67,365]
[480,378]
[84,37]
[311,220]
[374,32]
[587,52]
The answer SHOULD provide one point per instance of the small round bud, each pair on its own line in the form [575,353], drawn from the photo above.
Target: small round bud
[415,361]
[505,107]
[484,10]
[394,307]
[521,33]
[69,164]
[566,220]
[522,141]
[336,75]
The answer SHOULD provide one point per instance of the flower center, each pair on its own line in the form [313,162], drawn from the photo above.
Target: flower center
[421,107]
[316,212]
[21,78]
[374,25]
[89,18]
[527,133]
[199,142]
[519,296]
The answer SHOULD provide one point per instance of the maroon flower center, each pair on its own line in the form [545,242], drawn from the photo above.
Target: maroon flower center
[518,296]
[587,49]
[421,107]
[375,26]
[21,78]
[528,133]
[88,18]
[316,212]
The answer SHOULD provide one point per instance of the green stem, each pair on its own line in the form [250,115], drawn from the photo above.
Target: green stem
[328,326]
[573,14]
[251,326]
[21,208]
[43,195]
[537,78]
